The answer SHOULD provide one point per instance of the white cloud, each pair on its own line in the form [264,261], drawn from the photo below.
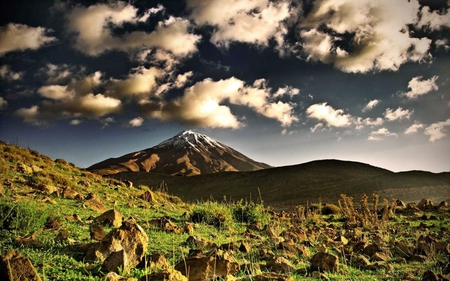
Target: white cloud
[3,103]
[331,116]
[443,43]
[288,90]
[380,133]
[92,28]
[204,104]
[7,74]
[75,122]
[434,20]
[98,105]
[319,126]
[141,81]
[371,104]
[254,22]
[398,114]
[360,122]
[182,79]
[29,115]
[136,122]
[420,87]
[20,37]
[413,128]
[436,131]
[55,92]
[381,40]
[57,74]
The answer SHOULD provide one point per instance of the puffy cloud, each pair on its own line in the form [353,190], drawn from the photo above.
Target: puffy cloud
[331,116]
[98,105]
[21,37]
[142,81]
[3,103]
[56,74]
[92,27]
[254,22]
[319,126]
[413,128]
[75,122]
[204,104]
[371,104]
[136,122]
[29,115]
[398,114]
[7,74]
[379,29]
[360,122]
[433,20]
[380,133]
[182,79]
[55,92]
[420,87]
[436,131]
[288,90]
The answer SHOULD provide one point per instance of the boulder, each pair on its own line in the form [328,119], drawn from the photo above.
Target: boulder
[322,261]
[36,169]
[216,264]
[46,188]
[126,246]
[372,248]
[14,266]
[425,204]
[112,276]
[165,275]
[272,277]
[361,261]
[96,232]
[200,242]
[157,261]
[95,203]
[110,218]
[280,265]
[69,193]
[22,168]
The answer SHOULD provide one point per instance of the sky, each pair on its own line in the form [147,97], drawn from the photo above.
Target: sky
[284,82]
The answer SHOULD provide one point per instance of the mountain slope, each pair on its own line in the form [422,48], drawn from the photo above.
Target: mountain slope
[286,187]
[187,153]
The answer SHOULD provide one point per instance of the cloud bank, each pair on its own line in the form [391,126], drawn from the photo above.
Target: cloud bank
[21,37]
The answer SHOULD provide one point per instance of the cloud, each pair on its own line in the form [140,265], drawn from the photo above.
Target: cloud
[29,115]
[75,122]
[398,114]
[93,30]
[319,126]
[379,29]
[20,37]
[7,74]
[254,22]
[371,104]
[360,122]
[331,116]
[3,103]
[182,79]
[136,122]
[435,131]
[205,104]
[380,133]
[55,92]
[288,90]
[434,20]
[413,128]
[57,74]
[141,82]
[420,87]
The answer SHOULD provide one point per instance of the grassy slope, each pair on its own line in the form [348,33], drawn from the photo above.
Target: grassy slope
[292,185]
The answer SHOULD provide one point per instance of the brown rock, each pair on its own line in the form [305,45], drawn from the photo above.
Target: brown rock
[74,217]
[110,218]
[430,276]
[361,261]
[14,267]
[419,258]
[216,264]
[295,249]
[69,193]
[425,204]
[36,169]
[280,264]
[268,231]
[157,261]
[232,246]
[96,232]
[200,242]
[272,277]
[112,276]
[402,250]
[165,275]
[63,235]
[95,203]
[324,261]
[46,188]
[22,168]
[30,242]
[245,248]
[127,244]
[378,256]
[360,246]
[188,228]
[319,275]
[371,249]
[53,223]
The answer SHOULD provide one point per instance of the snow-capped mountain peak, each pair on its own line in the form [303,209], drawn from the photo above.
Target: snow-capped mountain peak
[189,138]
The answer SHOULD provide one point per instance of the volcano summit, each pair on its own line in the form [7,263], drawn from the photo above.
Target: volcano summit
[188,153]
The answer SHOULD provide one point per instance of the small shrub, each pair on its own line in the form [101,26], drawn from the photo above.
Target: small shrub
[330,209]
[212,213]
[23,217]
[250,213]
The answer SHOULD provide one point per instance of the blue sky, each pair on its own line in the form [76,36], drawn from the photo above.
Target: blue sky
[284,82]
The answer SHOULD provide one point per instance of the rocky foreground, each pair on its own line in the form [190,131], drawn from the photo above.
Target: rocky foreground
[61,223]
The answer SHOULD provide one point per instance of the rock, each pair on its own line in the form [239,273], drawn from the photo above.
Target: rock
[400,204]
[28,241]
[128,183]
[69,193]
[61,161]
[272,277]
[63,235]
[425,204]
[110,218]
[46,188]
[430,276]
[232,246]
[165,275]
[95,203]
[14,267]
[217,264]
[48,200]
[360,246]
[419,258]
[22,168]
[361,261]
[157,261]
[371,249]
[245,248]
[290,247]
[112,276]
[402,250]
[319,275]
[296,234]
[251,269]
[280,265]
[53,223]
[188,228]
[164,223]
[324,261]
[96,232]
[2,190]
[378,256]
[126,244]
[268,231]
[200,242]
[75,218]
[36,169]
[148,196]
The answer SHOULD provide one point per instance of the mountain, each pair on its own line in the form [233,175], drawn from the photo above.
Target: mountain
[187,154]
[312,182]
